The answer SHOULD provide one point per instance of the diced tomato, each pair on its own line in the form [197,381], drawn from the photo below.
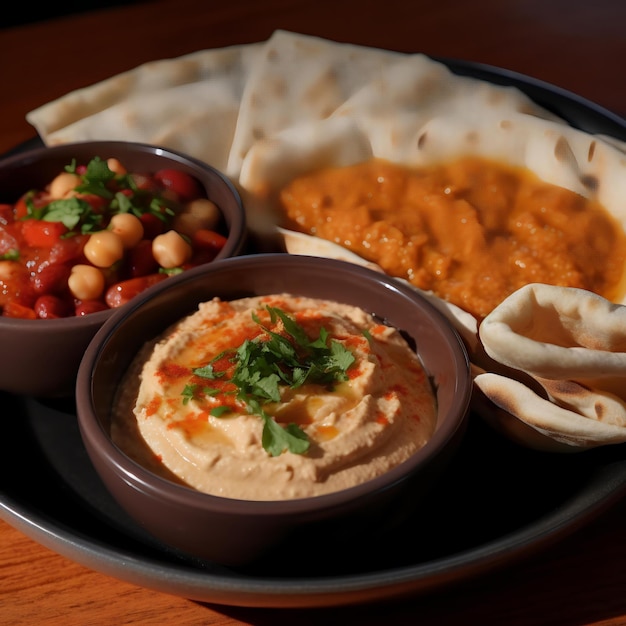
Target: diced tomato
[185,186]
[14,309]
[145,182]
[68,249]
[42,234]
[38,199]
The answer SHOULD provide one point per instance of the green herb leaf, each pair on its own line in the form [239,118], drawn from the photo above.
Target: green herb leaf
[207,371]
[277,439]
[188,393]
[69,212]
[285,358]
[10,255]
[218,411]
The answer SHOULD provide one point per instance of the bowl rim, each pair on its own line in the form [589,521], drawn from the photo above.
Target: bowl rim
[94,434]
[237,225]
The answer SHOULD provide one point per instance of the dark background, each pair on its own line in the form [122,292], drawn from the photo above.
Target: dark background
[27,13]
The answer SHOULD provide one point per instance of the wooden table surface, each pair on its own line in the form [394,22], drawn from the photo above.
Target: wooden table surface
[575,44]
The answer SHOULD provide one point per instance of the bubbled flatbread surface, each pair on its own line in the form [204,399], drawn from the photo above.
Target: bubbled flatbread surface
[266,112]
[189,103]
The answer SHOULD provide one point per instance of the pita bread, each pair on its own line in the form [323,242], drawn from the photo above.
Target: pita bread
[536,422]
[298,78]
[393,107]
[190,104]
[205,131]
[223,65]
[572,344]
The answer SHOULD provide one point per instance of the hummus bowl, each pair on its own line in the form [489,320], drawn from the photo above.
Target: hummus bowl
[240,531]
[42,355]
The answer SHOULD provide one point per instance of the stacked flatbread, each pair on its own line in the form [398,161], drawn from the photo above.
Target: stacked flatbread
[266,112]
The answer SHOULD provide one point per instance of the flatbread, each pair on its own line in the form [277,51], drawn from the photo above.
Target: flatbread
[394,107]
[298,78]
[223,65]
[572,344]
[205,131]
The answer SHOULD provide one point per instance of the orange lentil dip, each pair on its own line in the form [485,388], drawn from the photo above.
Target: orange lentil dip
[472,231]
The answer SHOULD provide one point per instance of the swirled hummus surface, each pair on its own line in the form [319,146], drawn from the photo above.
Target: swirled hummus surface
[189,419]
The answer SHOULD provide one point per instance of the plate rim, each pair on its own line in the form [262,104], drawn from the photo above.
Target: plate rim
[308,592]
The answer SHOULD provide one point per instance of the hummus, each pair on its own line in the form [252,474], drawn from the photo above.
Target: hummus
[188,418]
[472,231]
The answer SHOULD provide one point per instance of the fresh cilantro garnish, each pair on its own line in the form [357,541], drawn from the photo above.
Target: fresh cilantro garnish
[96,178]
[287,358]
[218,411]
[11,255]
[119,191]
[71,213]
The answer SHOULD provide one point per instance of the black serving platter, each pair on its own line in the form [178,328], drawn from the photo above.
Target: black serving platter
[50,492]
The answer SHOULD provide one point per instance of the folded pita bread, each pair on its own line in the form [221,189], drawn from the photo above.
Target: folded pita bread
[572,344]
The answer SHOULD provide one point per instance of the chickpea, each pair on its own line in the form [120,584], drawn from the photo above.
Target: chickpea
[116,167]
[171,249]
[128,228]
[63,184]
[104,248]
[86,282]
[200,213]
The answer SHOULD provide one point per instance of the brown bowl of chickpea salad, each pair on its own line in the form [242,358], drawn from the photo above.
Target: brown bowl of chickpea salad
[84,229]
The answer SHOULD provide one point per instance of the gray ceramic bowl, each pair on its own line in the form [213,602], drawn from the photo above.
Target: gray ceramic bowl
[41,357]
[236,532]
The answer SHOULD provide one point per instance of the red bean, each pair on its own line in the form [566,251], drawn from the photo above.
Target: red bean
[52,307]
[185,186]
[120,293]
[51,279]
[152,225]
[85,307]
[141,261]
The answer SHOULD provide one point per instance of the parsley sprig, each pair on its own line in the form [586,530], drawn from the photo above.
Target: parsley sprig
[271,361]
[119,190]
